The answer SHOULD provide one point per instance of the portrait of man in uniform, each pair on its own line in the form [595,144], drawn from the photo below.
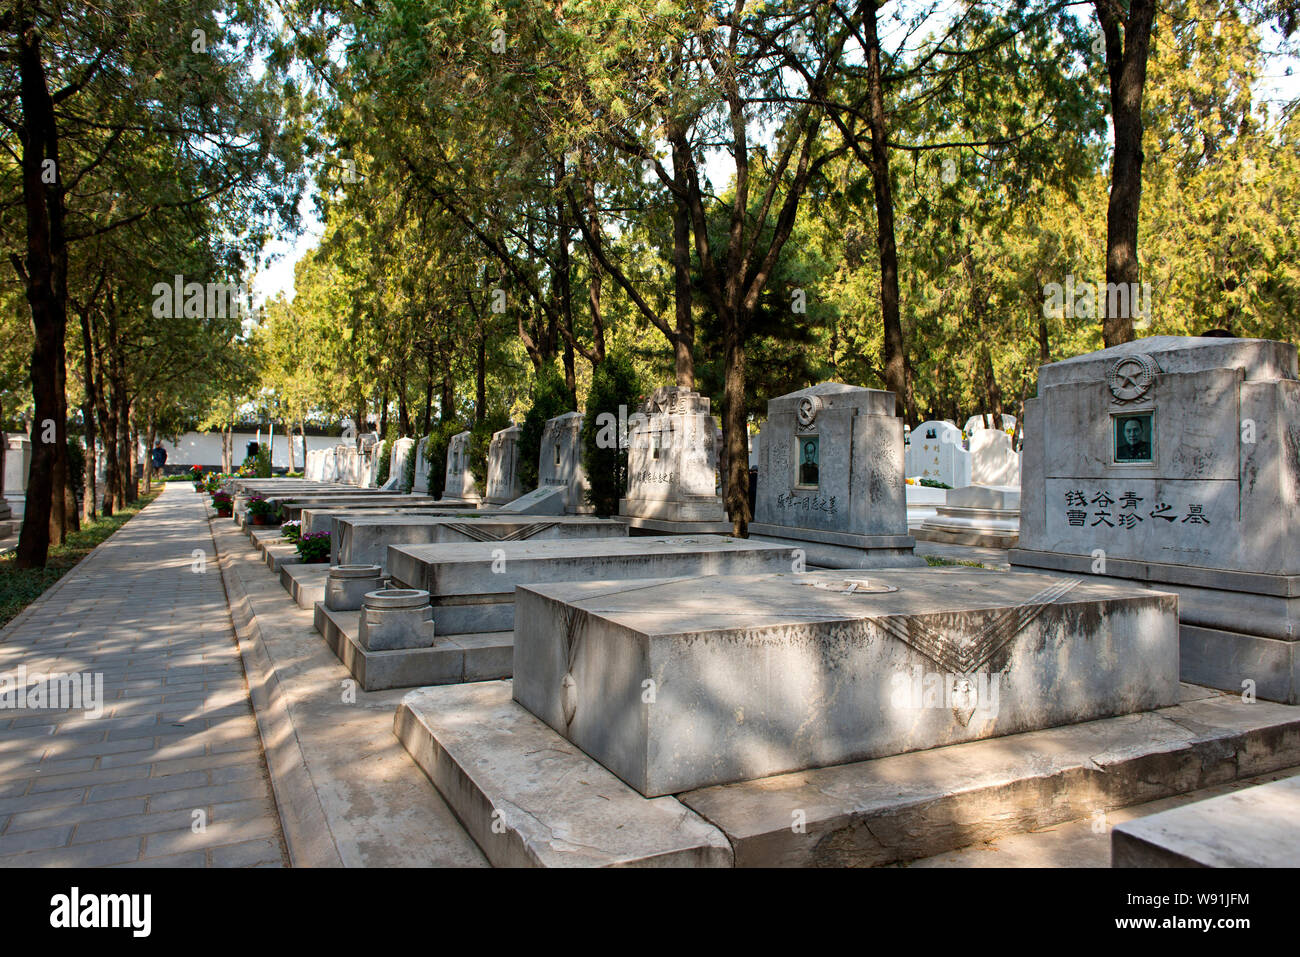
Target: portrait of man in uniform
[808,460]
[1133,438]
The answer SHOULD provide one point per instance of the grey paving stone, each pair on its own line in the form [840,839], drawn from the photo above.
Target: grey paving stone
[177,732]
[135,824]
[102,854]
[39,839]
[248,854]
[75,814]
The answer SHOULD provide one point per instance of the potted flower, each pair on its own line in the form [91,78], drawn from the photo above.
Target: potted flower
[196,476]
[259,510]
[292,531]
[222,502]
[314,547]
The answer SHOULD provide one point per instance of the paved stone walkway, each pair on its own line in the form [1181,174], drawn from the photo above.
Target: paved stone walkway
[172,772]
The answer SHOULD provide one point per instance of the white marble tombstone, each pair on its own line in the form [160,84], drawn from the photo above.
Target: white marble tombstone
[831,477]
[1175,461]
[672,482]
[401,454]
[503,467]
[461,485]
[936,453]
[18,462]
[992,460]
[560,463]
[349,463]
[421,465]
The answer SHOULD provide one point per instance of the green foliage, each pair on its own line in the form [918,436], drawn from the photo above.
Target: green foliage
[933,483]
[384,451]
[264,461]
[551,397]
[408,472]
[615,386]
[435,453]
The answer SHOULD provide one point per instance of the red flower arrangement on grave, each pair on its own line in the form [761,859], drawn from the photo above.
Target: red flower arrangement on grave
[222,502]
[259,509]
[314,547]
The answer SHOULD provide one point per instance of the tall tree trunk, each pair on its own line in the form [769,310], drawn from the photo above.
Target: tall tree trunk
[427,421]
[895,368]
[1128,40]
[88,410]
[45,277]
[447,402]
[684,340]
[403,414]
[480,376]
[596,277]
[107,409]
[735,433]
[150,434]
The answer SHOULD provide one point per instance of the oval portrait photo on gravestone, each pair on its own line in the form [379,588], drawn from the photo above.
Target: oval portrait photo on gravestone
[1134,435]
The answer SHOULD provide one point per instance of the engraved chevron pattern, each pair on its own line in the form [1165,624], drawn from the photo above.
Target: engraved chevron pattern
[481,533]
[963,655]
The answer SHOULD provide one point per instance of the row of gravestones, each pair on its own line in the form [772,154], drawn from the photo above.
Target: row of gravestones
[559,467]
[1169,460]
[343,463]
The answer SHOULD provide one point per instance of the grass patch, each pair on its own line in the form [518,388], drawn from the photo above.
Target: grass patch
[19,587]
[934,561]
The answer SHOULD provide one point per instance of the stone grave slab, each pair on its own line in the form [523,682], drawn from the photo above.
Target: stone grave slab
[923,502]
[1253,827]
[923,803]
[472,584]
[365,539]
[305,583]
[867,813]
[560,463]
[1173,460]
[461,484]
[831,478]
[984,515]
[322,518]
[540,501]
[766,674]
[503,467]
[451,659]
[529,800]
[672,483]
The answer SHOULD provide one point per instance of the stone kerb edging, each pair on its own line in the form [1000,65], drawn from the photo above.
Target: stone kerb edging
[302,818]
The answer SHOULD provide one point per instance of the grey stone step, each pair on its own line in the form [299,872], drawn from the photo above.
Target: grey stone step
[453,659]
[1255,827]
[531,799]
[914,805]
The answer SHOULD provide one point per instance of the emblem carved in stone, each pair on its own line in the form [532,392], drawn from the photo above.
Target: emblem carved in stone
[1131,377]
[809,406]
